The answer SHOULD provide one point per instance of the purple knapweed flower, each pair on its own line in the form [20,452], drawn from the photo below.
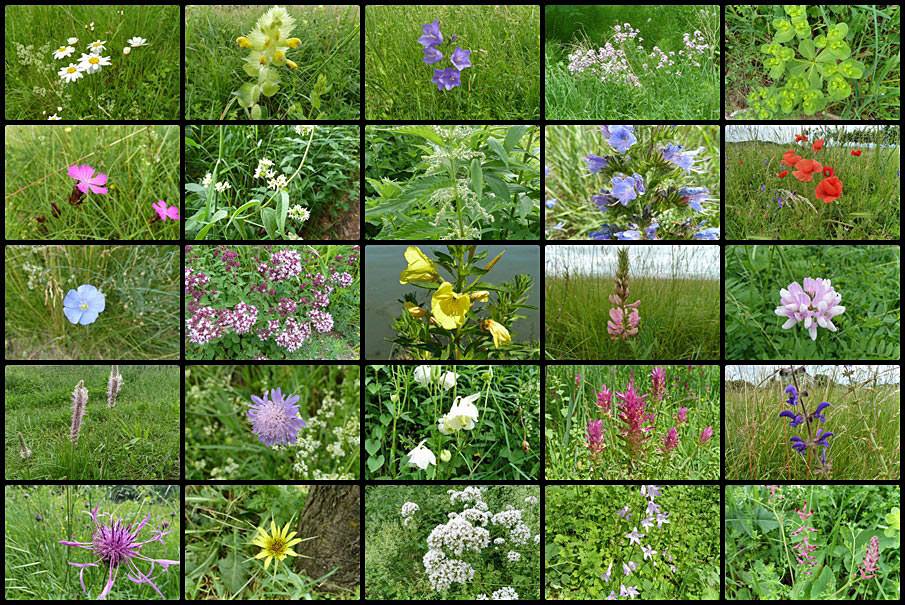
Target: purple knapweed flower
[432,35]
[116,544]
[82,306]
[461,58]
[621,138]
[674,155]
[695,196]
[86,179]
[446,79]
[275,422]
[814,305]
[595,163]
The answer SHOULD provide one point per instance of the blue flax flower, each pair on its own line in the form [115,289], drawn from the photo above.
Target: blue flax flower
[82,306]
[595,163]
[797,419]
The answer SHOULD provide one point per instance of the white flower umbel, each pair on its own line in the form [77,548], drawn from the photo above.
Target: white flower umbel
[71,73]
[458,534]
[513,556]
[506,593]
[63,51]
[207,180]
[409,509]
[422,456]
[222,186]
[463,415]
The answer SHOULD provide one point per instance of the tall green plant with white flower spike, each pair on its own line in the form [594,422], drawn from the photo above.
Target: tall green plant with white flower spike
[267,44]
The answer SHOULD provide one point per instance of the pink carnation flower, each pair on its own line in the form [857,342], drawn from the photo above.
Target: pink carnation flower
[165,212]
[86,179]
[815,305]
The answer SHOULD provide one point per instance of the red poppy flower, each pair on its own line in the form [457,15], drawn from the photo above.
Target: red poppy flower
[818,144]
[739,161]
[806,168]
[783,174]
[800,137]
[829,189]
[856,152]
[828,171]
[790,158]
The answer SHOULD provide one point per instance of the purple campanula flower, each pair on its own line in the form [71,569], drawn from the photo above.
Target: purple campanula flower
[647,522]
[652,507]
[606,576]
[661,519]
[624,513]
[647,551]
[634,537]
[432,55]
[595,163]
[796,419]
[695,196]
[432,35]
[651,491]
[620,138]
[446,79]
[461,58]
[628,591]
[624,189]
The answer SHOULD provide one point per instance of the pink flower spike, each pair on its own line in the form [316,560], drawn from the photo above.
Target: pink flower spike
[87,180]
[165,212]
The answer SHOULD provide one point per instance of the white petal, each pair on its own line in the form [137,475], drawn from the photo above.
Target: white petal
[837,310]
[789,323]
[813,331]
[808,322]
[829,326]
[821,321]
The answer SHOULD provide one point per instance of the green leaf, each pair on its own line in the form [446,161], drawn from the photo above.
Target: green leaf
[195,187]
[239,210]
[784,35]
[425,132]
[513,136]
[244,94]
[269,218]
[477,178]
[284,210]
[233,572]
[256,112]
[372,446]
[269,88]
[806,48]
[375,463]
[820,41]
[498,150]
[820,584]
[837,32]
[778,69]
[499,188]
[850,68]
[218,215]
[839,49]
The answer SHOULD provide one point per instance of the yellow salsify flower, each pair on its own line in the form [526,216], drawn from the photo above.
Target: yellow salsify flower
[448,307]
[480,296]
[277,545]
[420,267]
[416,311]
[498,331]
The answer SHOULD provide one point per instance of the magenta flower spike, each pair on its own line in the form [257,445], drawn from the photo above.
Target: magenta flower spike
[658,383]
[87,181]
[605,399]
[596,436]
[706,434]
[871,557]
[816,304]
[116,544]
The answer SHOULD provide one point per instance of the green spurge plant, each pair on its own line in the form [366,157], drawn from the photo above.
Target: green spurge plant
[267,44]
[812,82]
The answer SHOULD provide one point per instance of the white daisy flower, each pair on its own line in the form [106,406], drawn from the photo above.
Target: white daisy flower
[222,186]
[71,73]
[72,40]
[207,180]
[63,51]
[92,63]
[97,46]
[54,117]
[136,41]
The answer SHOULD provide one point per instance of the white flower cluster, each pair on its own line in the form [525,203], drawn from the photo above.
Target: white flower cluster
[476,515]
[442,572]
[408,511]
[531,500]
[342,441]
[506,593]
[513,556]
[457,535]
[512,520]
[468,495]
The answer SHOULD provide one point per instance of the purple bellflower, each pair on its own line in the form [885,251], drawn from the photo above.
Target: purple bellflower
[461,59]
[432,55]
[446,79]
[432,35]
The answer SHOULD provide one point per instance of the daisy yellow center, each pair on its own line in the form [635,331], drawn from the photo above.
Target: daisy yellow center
[71,70]
[95,45]
[94,60]
[61,49]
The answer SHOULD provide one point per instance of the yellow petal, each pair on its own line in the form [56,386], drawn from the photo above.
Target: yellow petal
[285,530]
[273,529]
[289,536]
[292,553]
[293,542]
[261,554]
[267,562]
[420,269]
[448,307]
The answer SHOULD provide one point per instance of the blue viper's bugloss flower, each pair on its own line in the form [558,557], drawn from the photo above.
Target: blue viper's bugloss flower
[550,202]
[605,233]
[696,196]
[275,421]
[708,233]
[602,200]
[82,306]
[446,79]
[793,395]
[674,155]
[633,234]
[461,59]
[621,138]
[639,182]
[652,231]
[623,189]
[432,55]
[432,35]
[595,163]
[796,419]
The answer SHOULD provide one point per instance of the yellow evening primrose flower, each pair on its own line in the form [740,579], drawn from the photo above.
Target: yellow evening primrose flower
[416,311]
[277,545]
[448,307]
[499,332]
[420,267]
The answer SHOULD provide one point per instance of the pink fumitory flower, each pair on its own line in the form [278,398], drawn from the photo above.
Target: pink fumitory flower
[869,564]
[86,179]
[815,305]
[801,513]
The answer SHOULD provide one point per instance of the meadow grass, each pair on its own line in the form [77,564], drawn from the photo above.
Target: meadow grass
[693,95]
[572,185]
[141,164]
[140,284]
[322,165]
[873,37]
[867,277]
[329,50]
[864,421]
[573,389]
[869,208]
[503,82]
[137,439]
[37,565]
[143,85]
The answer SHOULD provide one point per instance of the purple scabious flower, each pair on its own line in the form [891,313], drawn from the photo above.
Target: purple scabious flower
[275,422]
[446,79]
[814,305]
[621,138]
[460,58]
[432,55]
[623,189]
[674,155]
[432,35]
[595,163]
[116,544]
[695,196]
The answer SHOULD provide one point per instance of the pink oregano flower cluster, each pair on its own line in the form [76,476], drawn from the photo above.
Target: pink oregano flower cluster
[814,305]
[624,318]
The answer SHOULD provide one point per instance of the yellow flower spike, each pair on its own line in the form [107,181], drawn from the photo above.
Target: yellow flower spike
[293,42]
[480,296]
[420,269]
[243,42]
[498,331]
[416,311]
[448,307]
[278,56]
[292,64]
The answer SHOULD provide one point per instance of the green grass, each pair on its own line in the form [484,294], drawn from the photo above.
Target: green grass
[571,185]
[323,167]
[504,443]
[141,164]
[137,439]
[140,284]
[329,50]
[503,82]
[141,86]
[867,277]
[569,409]
[867,210]
[37,566]
[693,94]
[680,313]
[393,551]
[864,421]
[873,37]
[220,444]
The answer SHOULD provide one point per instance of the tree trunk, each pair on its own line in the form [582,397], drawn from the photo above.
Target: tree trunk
[332,516]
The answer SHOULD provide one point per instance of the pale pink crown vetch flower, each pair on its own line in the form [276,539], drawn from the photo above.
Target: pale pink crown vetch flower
[814,305]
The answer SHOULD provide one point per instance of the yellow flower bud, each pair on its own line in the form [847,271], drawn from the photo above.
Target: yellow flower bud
[292,64]
[243,42]
[293,42]
[416,311]
[494,261]
[480,296]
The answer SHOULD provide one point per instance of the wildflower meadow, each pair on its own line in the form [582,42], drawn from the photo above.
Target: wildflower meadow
[241,543]
[119,542]
[812,542]
[632,422]
[452,62]
[92,302]
[801,183]
[609,542]
[272,63]
[453,182]
[92,62]
[632,182]
[812,302]
[449,542]
[92,422]
[272,302]
[272,182]
[272,422]
[636,62]
[453,422]
[796,61]
[664,302]
[812,422]
[111,178]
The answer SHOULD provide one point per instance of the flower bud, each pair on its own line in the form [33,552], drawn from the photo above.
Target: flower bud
[394,398]
[292,64]
[293,42]
[243,42]
[445,456]
[127,50]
